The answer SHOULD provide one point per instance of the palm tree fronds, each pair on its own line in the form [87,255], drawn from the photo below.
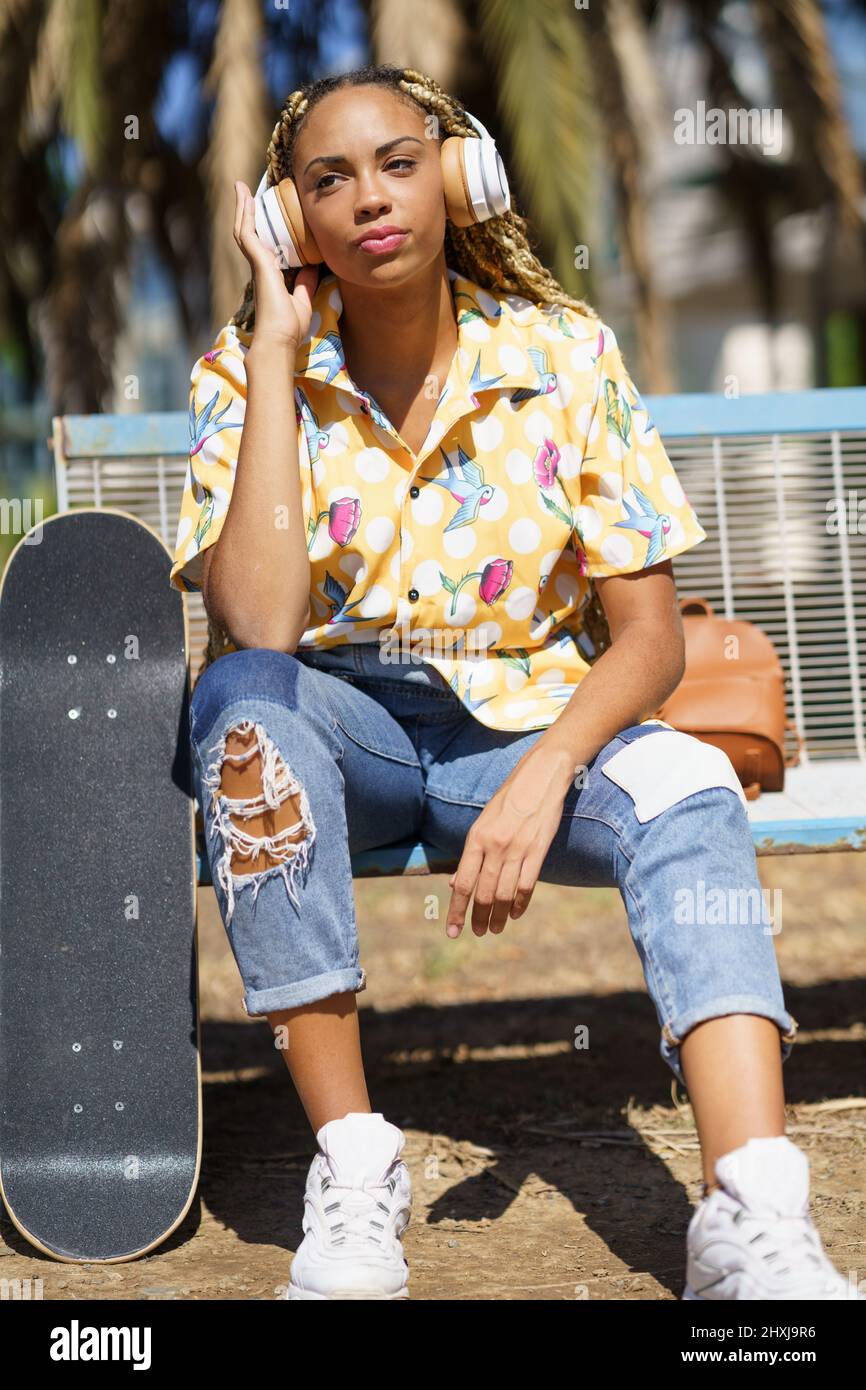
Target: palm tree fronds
[798,49]
[240,129]
[542,65]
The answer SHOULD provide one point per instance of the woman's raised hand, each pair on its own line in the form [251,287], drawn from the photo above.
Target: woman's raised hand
[283,315]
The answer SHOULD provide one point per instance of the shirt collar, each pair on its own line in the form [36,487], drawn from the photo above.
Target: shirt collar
[495,359]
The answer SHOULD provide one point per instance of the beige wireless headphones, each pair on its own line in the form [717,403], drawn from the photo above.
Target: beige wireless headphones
[475,183]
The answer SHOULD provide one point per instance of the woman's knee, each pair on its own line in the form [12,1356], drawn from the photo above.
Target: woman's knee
[660,770]
[246,682]
[267,801]
[241,725]
[257,672]
[258,811]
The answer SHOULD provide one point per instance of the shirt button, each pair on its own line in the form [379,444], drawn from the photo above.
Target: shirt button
[414,595]
[414,490]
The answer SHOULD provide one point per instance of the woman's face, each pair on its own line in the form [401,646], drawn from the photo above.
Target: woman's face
[363,161]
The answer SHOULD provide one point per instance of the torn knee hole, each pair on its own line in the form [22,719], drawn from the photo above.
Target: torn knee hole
[261,809]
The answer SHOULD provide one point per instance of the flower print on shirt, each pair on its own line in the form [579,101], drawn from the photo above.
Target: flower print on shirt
[493,580]
[518,657]
[473,309]
[629,506]
[545,466]
[618,411]
[344,518]
[205,517]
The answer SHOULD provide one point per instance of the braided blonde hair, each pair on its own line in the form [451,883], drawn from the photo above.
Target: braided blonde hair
[494,254]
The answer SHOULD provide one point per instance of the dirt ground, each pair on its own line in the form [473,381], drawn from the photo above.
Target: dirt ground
[539,1171]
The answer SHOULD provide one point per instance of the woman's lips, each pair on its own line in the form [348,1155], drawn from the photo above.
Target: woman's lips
[376,246]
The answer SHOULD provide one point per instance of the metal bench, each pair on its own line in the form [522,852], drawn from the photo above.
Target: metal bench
[766,475]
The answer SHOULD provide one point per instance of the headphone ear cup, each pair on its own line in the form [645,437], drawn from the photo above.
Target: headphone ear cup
[474,179]
[280,224]
[458,200]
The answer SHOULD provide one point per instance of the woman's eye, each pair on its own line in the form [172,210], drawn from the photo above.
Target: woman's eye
[400,159]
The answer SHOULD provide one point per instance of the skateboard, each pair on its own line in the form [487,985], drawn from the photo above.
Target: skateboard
[100,1073]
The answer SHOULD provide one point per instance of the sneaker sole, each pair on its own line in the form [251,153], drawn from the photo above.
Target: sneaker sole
[689,1294]
[294,1292]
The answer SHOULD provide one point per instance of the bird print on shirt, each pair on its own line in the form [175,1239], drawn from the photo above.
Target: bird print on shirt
[480,383]
[336,594]
[375,412]
[546,378]
[474,311]
[647,522]
[204,425]
[317,439]
[328,353]
[467,698]
[466,486]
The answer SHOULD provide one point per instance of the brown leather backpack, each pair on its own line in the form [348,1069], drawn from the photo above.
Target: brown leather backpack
[732,695]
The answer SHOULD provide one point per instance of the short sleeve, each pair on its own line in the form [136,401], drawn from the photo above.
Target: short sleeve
[631,511]
[217,402]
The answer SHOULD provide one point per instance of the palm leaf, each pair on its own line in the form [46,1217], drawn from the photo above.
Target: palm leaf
[240,130]
[541,65]
[807,88]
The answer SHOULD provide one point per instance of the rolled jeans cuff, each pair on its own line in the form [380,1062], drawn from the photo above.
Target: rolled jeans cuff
[673,1032]
[289,996]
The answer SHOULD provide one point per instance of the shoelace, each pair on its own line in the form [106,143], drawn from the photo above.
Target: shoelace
[357,1208]
[788,1235]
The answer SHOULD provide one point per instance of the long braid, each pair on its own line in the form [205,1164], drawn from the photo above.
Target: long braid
[494,254]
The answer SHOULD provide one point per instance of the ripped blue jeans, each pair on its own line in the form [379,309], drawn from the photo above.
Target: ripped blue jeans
[375,753]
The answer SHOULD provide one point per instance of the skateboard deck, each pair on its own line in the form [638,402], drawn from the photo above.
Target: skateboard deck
[100,1075]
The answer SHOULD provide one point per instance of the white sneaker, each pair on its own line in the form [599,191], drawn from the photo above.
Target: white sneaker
[753,1237]
[357,1204]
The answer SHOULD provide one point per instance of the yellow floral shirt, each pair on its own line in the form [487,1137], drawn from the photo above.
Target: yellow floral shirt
[541,469]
